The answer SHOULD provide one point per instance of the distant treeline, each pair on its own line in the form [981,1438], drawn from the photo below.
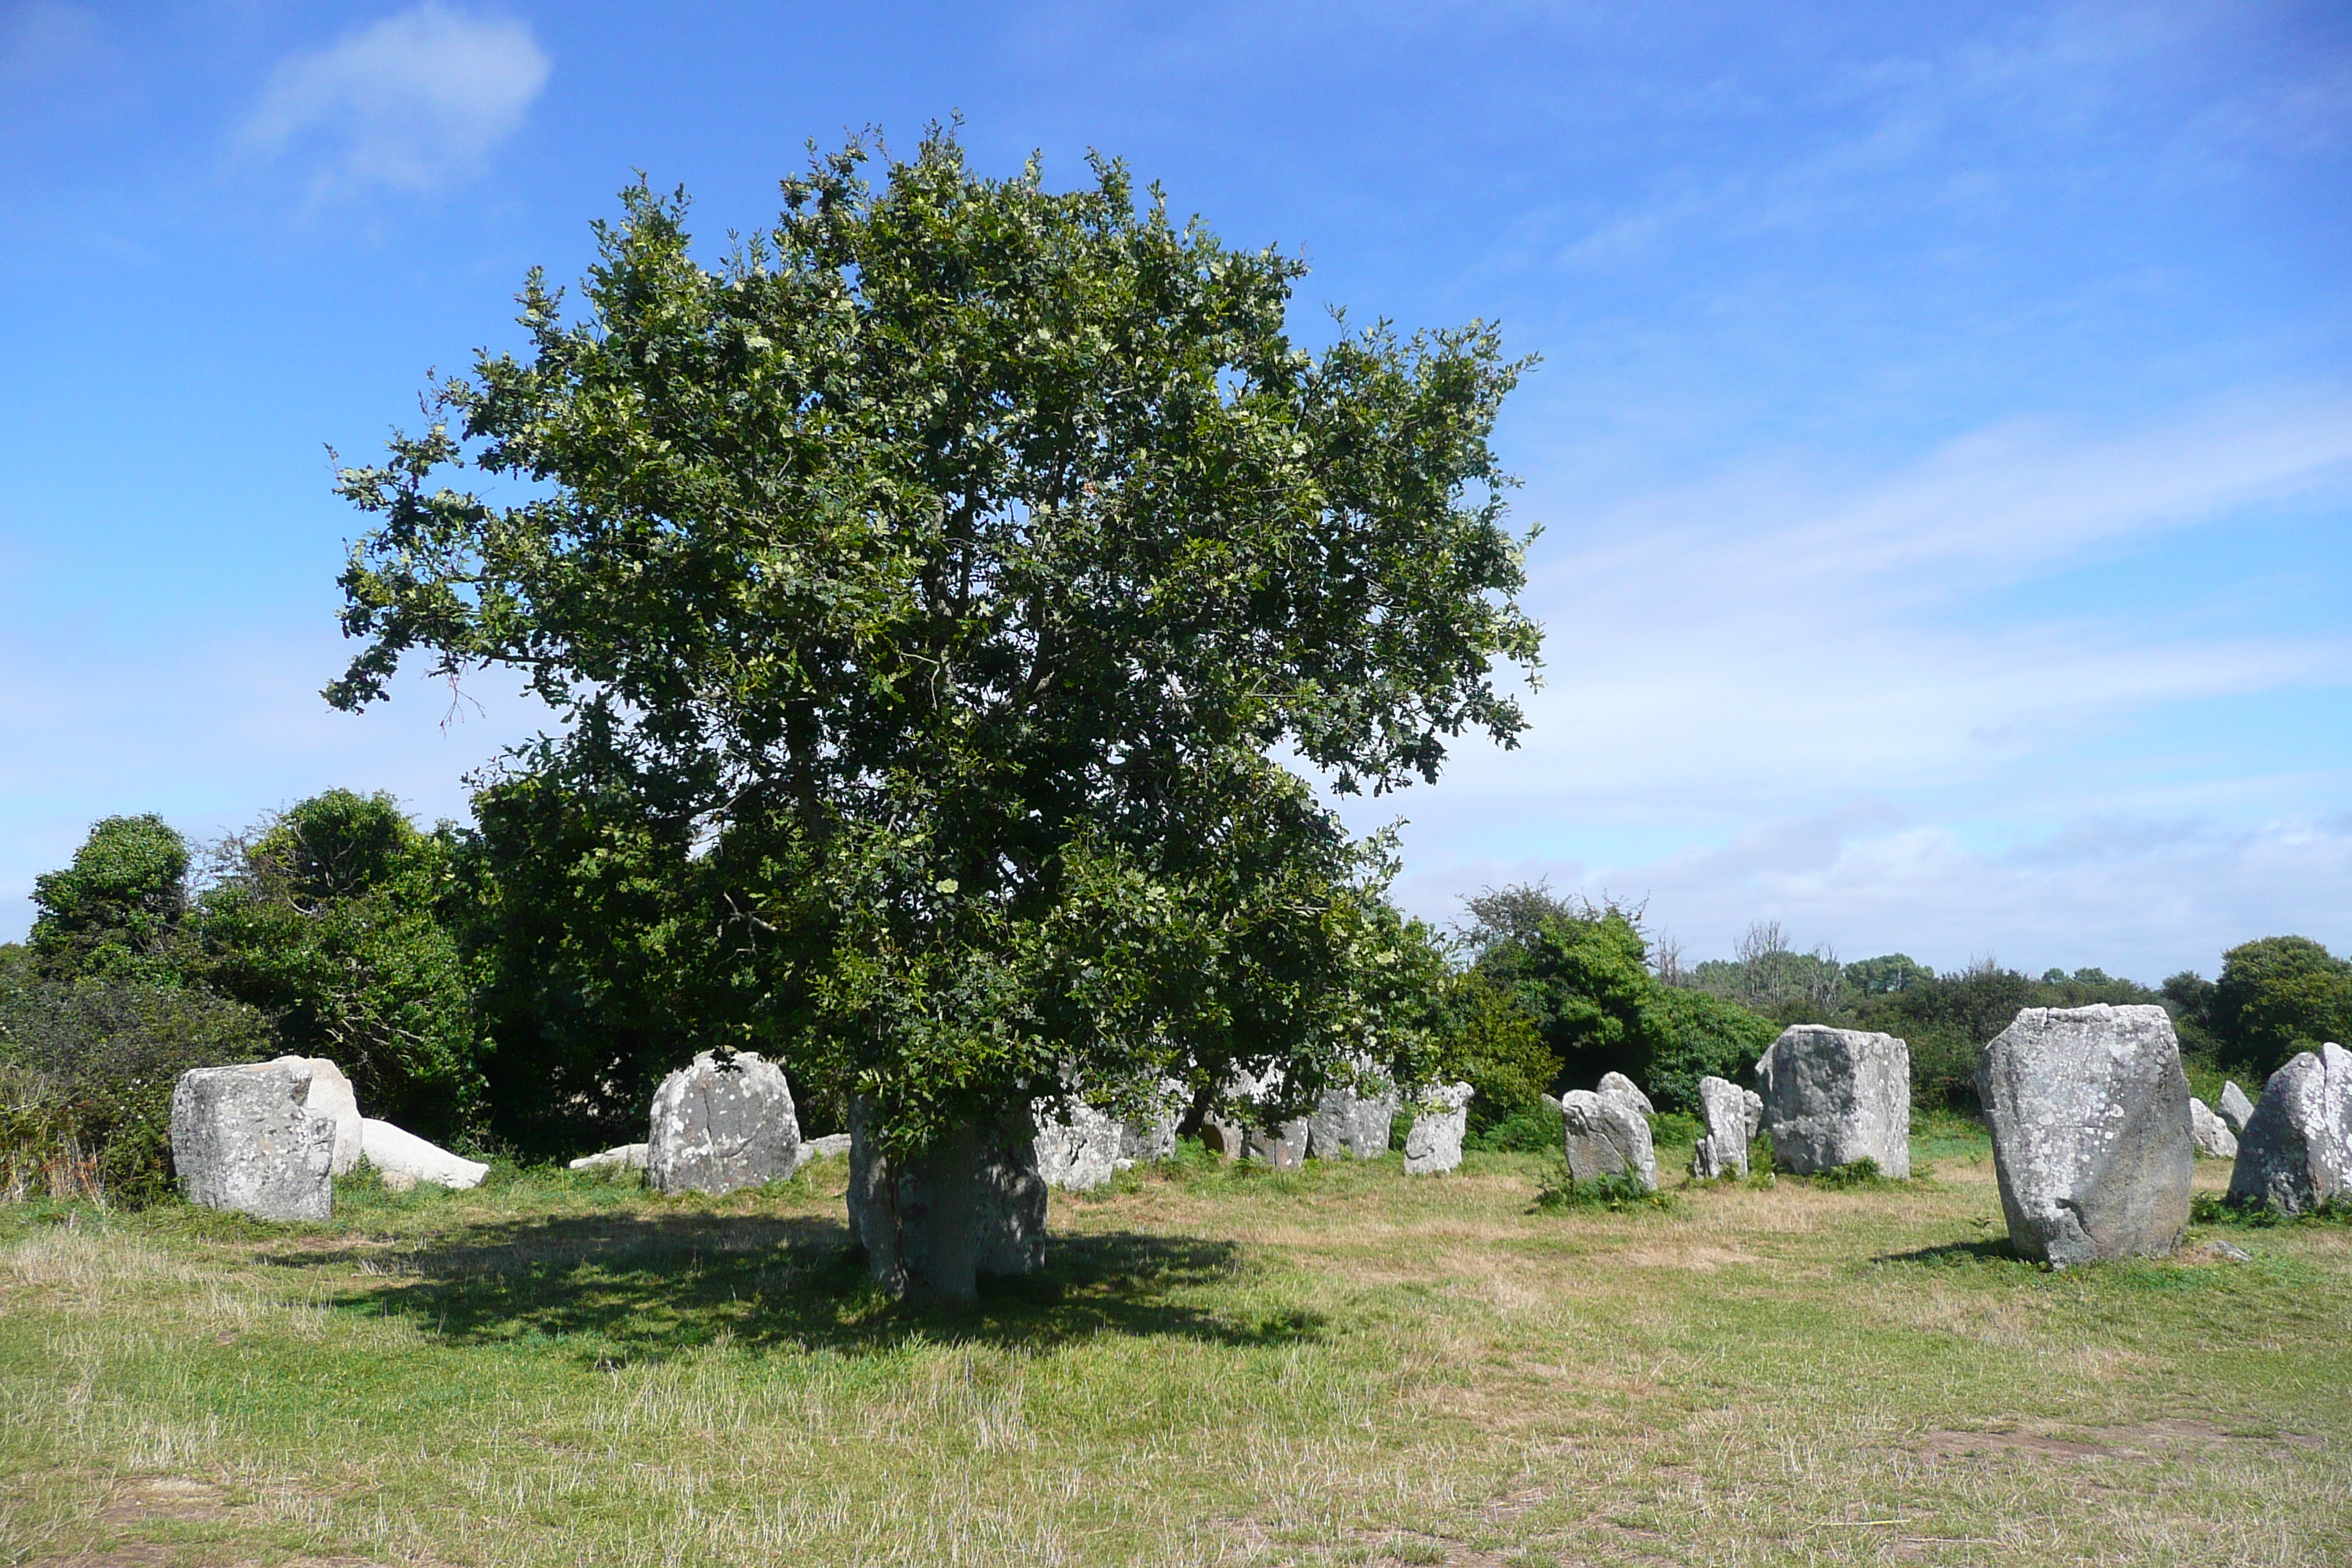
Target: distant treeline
[520,984]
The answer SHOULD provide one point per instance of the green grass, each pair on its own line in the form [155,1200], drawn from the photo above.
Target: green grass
[1332,1365]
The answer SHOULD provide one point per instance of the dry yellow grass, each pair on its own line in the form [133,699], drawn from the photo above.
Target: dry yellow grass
[1335,1366]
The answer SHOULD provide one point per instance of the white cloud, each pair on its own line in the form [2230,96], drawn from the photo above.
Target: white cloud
[413,102]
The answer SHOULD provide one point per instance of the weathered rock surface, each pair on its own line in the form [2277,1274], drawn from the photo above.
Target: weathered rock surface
[2210,1133]
[1626,1089]
[832,1146]
[403,1159]
[719,1125]
[1723,1141]
[2089,1115]
[1835,1096]
[620,1157]
[2236,1107]
[1605,1136]
[2297,1151]
[243,1140]
[330,1099]
[1433,1144]
[1284,1148]
[972,1208]
[1348,1125]
[1754,1102]
[1153,1136]
[1078,1150]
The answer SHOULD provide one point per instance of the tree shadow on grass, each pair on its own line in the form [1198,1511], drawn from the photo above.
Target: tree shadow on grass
[630,1288]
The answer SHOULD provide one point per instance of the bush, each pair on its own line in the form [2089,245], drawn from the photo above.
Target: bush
[1490,1042]
[115,910]
[1529,1131]
[87,1070]
[2275,997]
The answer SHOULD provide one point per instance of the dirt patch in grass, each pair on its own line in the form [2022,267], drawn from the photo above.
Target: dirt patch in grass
[2139,1440]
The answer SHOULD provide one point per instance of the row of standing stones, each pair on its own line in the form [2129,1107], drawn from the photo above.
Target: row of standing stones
[2093,1126]
[2094,1132]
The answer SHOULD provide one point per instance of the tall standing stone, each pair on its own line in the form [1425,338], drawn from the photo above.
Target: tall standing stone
[973,1207]
[2236,1107]
[1722,1144]
[2210,1133]
[1835,1096]
[1434,1143]
[2089,1114]
[1626,1089]
[1754,1103]
[1348,1125]
[1605,1136]
[2297,1151]
[722,1124]
[243,1139]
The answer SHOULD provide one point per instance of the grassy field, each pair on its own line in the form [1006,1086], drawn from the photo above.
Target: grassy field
[1336,1365]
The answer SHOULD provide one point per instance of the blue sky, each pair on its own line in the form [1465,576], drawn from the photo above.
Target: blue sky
[1943,439]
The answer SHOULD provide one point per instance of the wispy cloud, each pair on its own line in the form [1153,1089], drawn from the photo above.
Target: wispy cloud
[417,102]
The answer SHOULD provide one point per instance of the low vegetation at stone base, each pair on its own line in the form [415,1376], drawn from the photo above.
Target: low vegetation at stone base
[1223,1364]
[2214,1208]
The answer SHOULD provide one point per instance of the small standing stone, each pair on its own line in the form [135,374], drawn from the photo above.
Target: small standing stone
[719,1126]
[2236,1107]
[2297,1151]
[2089,1114]
[2211,1135]
[1605,1136]
[330,1098]
[896,1214]
[1723,1147]
[1835,1096]
[1079,1151]
[1348,1125]
[1285,1148]
[1626,1089]
[1434,1143]
[1754,1105]
[243,1140]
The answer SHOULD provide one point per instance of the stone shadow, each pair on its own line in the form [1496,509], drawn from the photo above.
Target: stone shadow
[630,1288]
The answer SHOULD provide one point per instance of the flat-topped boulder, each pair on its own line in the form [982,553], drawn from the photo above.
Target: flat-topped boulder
[2089,1114]
[1603,1135]
[1077,1148]
[720,1125]
[403,1160]
[1723,1138]
[243,1139]
[1433,1145]
[1626,1089]
[2296,1153]
[2210,1133]
[1833,1097]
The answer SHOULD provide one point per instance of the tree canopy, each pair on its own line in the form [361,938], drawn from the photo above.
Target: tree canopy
[956,565]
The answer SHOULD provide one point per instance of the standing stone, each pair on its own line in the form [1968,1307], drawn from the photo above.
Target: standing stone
[2297,1151]
[2236,1107]
[1222,1136]
[1723,1147]
[1605,1136]
[1153,1136]
[1626,1089]
[2210,1133]
[1348,1125]
[1835,1096]
[2089,1115]
[403,1159]
[1079,1149]
[917,1229]
[330,1099]
[242,1139]
[1754,1104]
[1285,1148]
[721,1125]
[1434,1143]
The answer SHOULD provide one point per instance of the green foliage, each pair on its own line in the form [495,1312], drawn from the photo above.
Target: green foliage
[1533,1131]
[86,1077]
[2276,997]
[115,912]
[1556,1191]
[1861,1172]
[1488,1040]
[954,559]
[1887,974]
[328,917]
[1581,972]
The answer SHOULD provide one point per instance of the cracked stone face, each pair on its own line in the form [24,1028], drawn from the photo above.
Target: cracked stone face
[2297,1151]
[1835,1096]
[719,1126]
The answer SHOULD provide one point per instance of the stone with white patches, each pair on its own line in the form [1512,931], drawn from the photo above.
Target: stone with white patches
[1833,1097]
[243,1140]
[720,1125]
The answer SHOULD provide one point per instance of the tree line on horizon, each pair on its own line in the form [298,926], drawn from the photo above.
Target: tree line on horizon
[520,984]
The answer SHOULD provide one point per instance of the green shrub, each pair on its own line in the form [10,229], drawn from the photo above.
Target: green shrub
[1529,1131]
